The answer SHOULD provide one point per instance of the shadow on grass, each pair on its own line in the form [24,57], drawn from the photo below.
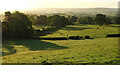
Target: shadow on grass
[75,28]
[46,32]
[38,45]
[115,26]
[33,45]
[7,49]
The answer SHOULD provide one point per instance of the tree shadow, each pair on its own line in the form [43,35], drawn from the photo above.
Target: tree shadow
[38,45]
[113,35]
[75,28]
[46,32]
[7,48]
[33,45]
[115,26]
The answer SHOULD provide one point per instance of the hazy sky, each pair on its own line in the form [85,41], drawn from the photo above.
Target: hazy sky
[28,4]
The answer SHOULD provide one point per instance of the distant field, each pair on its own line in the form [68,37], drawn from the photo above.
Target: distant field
[90,30]
[97,50]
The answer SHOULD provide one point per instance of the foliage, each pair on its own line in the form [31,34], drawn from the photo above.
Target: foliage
[33,18]
[18,25]
[108,21]
[42,20]
[72,19]
[90,20]
[5,24]
[5,29]
[81,20]
[58,21]
[100,19]
[117,20]
[86,20]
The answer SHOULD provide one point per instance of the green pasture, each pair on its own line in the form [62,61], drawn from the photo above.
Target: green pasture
[98,50]
[87,30]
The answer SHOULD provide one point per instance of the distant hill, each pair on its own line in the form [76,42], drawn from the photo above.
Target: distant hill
[73,11]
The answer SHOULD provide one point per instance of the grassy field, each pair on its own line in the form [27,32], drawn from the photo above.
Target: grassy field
[90,30]
[97,50]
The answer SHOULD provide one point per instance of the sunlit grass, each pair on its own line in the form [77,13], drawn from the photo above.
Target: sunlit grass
[88,30]
[97,50]
[80,51]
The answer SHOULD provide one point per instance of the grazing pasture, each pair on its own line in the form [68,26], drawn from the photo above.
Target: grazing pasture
[101,49]
[85,30]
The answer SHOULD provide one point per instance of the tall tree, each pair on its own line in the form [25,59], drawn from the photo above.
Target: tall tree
[58,21]
[89,20]
[64,21]
[100,19]
[117,20]
[7,16]
[42,19]
[72,19]
[19,26]
[33,18]
[86,20]
[5,24]
[108,21]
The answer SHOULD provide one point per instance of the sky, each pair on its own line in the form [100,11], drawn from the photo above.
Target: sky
[30,4]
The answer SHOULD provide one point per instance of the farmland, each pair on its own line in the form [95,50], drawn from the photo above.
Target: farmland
[100,49]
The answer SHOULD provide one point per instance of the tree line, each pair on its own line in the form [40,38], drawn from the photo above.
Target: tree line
[19,25]
[99,19]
